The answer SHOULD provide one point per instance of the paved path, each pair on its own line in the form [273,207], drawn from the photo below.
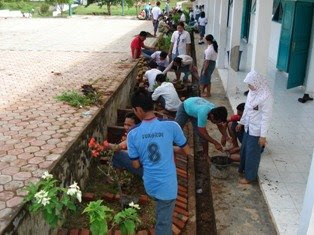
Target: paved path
[40,58]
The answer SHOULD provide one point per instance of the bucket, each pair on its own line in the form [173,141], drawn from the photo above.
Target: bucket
[220,167]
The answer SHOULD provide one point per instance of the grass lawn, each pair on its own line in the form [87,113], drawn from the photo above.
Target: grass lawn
[25,7]
[94,9]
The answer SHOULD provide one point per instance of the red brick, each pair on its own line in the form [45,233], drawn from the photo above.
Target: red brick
[182,205]
[183,189]
[181,211]
[182,199]
[144,199]
[180,217]
[84,232]
[183,194]
[74,232]
[180,224]
[142,232]
[62,231]
[151,231]
[175,230]
[109,197]
[181,174]
[87,197]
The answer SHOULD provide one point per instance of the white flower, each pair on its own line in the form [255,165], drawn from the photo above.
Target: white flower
[79,196]
[42,197]
[136,206]
[45,201]
[46,175]
[74,190]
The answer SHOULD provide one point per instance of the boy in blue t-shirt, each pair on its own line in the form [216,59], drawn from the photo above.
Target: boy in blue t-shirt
[198,110]
[150,144]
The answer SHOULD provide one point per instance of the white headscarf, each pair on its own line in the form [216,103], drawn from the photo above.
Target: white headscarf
[262,91]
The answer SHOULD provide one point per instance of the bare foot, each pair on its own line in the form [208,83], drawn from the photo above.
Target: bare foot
[244,181]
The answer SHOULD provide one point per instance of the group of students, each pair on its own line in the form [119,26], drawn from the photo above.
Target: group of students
[148,150]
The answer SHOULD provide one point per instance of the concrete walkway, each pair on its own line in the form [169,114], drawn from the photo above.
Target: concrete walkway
[238,209]
[40,58]
[286,162]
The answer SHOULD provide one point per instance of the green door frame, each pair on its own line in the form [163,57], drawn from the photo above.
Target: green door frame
[246,17]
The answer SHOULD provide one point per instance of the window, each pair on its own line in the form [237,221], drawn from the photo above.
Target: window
[277,11]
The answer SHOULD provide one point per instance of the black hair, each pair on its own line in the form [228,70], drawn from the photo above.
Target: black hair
[181,24]
[132,115]
[240,107]
[178,60]
[158,3]
[196,6]
[163,54]
[152,64]
[161,78]
[220,114]
[143,34]
[202,14]
[211,39]
[142,98]
[179,11]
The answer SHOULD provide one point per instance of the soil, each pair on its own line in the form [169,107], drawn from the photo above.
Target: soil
[98,185]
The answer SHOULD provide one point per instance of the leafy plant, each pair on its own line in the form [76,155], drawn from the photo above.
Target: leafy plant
[128,219]
[75,99]
[49,199]
[44,8]
[99,215]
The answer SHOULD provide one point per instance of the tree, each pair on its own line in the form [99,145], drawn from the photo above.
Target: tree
[110,3]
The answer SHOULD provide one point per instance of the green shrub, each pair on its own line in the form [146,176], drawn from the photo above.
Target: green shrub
[44,8]
[77,100]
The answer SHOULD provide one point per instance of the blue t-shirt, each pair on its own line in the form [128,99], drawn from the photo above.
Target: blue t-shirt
[198,108]
[151,142]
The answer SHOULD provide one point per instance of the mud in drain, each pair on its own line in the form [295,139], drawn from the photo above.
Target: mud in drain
[205,215]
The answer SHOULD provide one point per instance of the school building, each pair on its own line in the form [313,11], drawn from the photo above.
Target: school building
[275,38]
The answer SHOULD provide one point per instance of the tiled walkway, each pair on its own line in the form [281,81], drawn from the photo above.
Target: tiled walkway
[285,164]
[40,58]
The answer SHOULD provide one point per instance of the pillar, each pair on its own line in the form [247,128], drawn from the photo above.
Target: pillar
[222,34]
[306,225]
[209,13]
[235,38]
[216,18]
[261,40]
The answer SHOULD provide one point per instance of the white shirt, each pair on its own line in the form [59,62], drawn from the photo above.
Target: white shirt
[202,21]
[186,60]
[169,93]
[151,77]
[182,18]
[257,121]
[156,56]
[210,53]
[184,39]
[156,12]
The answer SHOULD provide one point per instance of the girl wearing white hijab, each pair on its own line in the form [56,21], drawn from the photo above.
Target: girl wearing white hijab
[256,119]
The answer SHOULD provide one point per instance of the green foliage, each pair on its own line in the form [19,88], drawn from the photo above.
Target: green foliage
[99,215]
[75,99]
[44,8]
[2,4]
[176,18]
[127,220]
[165,43]
[49,199]
[187,16]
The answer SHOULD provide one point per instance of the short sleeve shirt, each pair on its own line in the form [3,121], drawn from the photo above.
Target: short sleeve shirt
[210,53]
[137,43]
[156,12]
[156,56]
[198,108]
[202,21]
[151,143]
[183,40]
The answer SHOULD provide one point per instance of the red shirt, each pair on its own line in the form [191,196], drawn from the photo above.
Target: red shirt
[137,43]
[234,118]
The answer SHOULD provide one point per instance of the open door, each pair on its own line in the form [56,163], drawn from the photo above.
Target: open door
[246,16]
[295,40]
[286,36]
[300,43]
